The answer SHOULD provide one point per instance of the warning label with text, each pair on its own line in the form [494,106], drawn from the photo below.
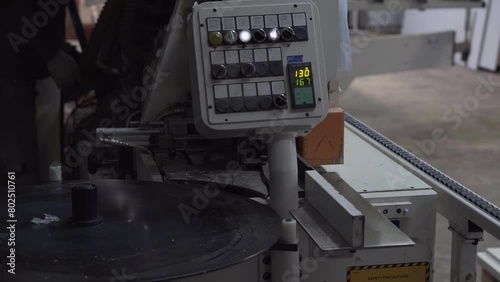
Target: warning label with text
[402,272]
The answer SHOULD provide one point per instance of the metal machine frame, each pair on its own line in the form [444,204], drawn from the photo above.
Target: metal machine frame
[363,214]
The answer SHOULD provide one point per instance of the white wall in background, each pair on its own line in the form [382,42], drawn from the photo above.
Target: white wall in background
[484,52]
[491,48]
[436,20]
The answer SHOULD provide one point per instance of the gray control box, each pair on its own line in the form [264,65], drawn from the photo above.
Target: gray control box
[256,64]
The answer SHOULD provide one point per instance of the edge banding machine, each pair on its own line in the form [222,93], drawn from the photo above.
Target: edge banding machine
[264,74]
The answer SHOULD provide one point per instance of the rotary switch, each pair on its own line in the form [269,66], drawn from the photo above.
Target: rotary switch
[248,69]
[231,37]
[287,34]
[280,101]
[259,35]
[219,71]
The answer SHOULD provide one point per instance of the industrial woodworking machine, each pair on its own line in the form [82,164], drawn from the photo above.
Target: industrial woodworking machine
[254,172]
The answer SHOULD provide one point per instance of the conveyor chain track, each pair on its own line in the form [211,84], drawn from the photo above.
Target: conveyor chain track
[461,190]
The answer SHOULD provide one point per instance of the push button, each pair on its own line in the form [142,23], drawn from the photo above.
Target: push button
[276,68]
[251,103]
[262,69]
[237,104]
[233,71]
[265,102]
[221,105]
[301,33]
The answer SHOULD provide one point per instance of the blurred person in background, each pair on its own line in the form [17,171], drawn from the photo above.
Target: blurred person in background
[32,48]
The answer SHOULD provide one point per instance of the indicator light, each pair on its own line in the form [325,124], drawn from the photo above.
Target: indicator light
[245,36]
[273,35]
[215,38]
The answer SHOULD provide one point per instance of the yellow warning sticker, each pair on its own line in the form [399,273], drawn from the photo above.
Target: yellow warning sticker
[402,272]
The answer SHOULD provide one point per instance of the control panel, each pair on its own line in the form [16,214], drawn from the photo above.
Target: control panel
[256,62]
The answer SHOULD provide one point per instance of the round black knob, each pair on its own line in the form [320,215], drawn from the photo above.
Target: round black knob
[259,35]
[219,71]
[248,69]
[231,37]
[221,105]
[280,101]
[287,34]
[84,205]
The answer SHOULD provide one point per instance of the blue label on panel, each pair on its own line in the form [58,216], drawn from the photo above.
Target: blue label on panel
[295,59]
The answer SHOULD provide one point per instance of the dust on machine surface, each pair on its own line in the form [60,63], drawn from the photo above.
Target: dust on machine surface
[245,169]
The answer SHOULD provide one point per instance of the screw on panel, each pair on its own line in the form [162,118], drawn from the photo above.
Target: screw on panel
[215,10]
[398,210]
[295,6]
[307,114]
[319,99]
[267,276]
[202,25]
[209,106]
[225,119]
[266,260]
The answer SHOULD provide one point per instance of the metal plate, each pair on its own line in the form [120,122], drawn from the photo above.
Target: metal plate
[408,272]
[320,230]
[379,172]
[143,237]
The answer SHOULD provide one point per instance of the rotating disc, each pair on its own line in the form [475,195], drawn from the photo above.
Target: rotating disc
[150,231]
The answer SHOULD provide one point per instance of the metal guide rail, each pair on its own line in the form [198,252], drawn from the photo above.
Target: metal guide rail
[471,197]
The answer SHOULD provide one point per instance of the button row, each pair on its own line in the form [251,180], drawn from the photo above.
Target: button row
[256,22]
[246,63]
[262,96]
[257,29]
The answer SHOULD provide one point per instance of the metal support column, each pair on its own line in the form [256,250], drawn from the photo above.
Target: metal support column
[283,190]
[464,243]
[283,173]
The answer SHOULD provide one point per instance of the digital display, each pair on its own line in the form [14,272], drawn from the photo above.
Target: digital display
[301,83]
[302,76]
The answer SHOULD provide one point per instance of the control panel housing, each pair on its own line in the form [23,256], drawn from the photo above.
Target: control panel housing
[255,64]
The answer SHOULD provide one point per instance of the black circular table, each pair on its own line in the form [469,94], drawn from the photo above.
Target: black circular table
[149,232]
